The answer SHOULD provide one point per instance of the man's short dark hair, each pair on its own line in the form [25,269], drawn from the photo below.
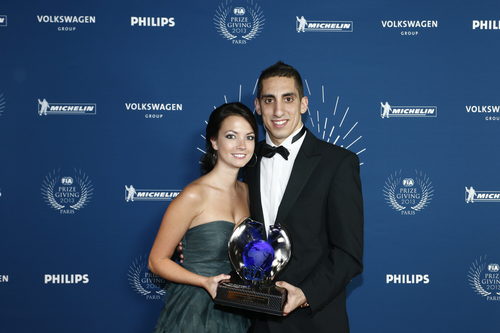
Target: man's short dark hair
[281,69]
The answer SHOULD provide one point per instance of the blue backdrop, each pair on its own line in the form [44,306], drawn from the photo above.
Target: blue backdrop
[79,85]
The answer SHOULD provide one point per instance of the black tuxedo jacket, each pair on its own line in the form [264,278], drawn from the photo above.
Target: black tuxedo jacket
[322,211]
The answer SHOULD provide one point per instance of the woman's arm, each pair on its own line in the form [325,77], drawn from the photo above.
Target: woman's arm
[176,221]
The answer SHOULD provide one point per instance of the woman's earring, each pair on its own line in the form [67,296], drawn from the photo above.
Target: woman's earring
[213,157]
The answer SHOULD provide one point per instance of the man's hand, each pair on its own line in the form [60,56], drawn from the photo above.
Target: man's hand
[295,297]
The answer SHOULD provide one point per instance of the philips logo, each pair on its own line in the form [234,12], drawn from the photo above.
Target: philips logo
[407,279]
[486,24]
[66,278]
[147,21]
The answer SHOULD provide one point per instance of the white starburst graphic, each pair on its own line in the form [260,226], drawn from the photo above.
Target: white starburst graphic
[329,120]
[328,124]
[2,103]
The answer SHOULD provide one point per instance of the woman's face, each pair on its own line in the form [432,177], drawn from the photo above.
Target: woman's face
[235,142]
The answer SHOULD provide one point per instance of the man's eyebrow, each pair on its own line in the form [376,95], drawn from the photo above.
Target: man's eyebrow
[283,95]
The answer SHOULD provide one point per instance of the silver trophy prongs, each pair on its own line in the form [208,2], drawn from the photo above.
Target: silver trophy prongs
[250,230]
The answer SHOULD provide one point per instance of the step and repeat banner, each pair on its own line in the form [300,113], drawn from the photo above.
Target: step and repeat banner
[103,107]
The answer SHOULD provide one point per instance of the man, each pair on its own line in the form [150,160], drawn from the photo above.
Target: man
[311,188]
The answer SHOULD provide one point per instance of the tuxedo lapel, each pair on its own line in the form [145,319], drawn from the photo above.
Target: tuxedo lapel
[305,163]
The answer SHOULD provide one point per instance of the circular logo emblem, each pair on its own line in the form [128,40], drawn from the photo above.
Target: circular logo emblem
[144,282]
[239,21]
[408,195]
[484,278]
[67,193]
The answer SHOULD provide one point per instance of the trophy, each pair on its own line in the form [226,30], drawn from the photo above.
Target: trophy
[256,258]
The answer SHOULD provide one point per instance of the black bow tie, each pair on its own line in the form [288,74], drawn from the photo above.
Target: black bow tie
[269,151]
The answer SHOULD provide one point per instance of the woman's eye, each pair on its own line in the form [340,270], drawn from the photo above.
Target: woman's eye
[230,136]
[251,137]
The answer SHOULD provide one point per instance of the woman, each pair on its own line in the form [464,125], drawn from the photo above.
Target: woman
[205,214]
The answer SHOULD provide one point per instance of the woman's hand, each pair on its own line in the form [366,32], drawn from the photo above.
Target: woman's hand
[212,282]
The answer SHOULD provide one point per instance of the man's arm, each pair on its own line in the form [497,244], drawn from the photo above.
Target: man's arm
[343,260]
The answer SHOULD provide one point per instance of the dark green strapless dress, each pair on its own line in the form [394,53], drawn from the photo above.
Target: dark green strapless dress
[191,309]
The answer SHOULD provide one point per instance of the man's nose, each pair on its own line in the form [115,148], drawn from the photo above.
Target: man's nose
[278,109]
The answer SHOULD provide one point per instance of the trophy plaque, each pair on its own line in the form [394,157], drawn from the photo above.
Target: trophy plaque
[256,258]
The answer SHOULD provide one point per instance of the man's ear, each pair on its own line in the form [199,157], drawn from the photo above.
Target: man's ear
[256,104]
[304,104]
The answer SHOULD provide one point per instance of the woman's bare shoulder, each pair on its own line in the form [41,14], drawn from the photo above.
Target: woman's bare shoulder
[194,192]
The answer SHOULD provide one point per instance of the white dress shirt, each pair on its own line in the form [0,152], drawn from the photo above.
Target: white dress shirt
[274,175]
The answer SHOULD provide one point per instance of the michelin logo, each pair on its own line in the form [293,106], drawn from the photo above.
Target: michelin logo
[471,195]
[45,108]
[132,194]
[388,111]
[303,25]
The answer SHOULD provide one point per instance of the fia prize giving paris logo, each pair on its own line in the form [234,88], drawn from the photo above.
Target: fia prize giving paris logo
[239,21]
[484,278]
[144,282]
[408,193]
[67,192]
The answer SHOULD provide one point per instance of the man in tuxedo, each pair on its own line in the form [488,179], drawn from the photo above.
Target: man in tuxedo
[312,189]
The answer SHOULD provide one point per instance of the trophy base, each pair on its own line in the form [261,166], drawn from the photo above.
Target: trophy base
[268,299]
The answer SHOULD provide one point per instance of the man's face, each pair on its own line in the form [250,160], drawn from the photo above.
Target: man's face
[280,107]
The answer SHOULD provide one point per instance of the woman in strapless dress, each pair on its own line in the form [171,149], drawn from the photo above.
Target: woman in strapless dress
[203,216]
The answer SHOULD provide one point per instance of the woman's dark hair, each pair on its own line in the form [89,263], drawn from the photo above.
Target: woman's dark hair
[214,123]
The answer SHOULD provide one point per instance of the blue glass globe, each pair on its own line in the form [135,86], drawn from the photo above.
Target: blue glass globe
[258,257]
